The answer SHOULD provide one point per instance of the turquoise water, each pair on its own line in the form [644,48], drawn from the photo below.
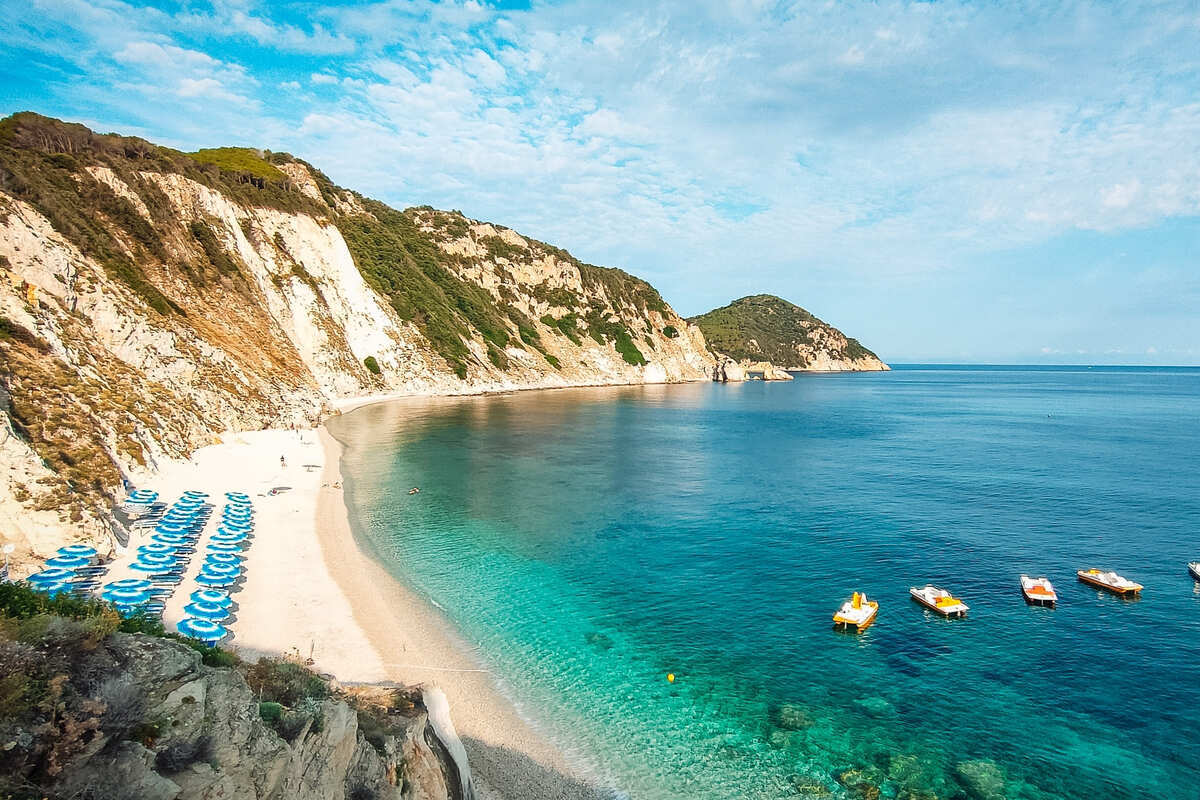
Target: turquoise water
[590,541]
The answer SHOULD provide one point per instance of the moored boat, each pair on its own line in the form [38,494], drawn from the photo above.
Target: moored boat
[939,600]
[856,613]
[1109,581]
[1194,568]
[1038,591]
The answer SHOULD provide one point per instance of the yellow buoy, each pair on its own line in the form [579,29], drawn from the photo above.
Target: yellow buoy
[670,677]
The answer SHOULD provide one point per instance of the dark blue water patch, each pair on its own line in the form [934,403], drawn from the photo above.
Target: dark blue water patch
[591,541]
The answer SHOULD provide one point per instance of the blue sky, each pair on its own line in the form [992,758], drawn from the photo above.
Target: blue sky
[996,182]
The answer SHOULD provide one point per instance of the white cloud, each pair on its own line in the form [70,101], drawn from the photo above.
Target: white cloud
[877,143]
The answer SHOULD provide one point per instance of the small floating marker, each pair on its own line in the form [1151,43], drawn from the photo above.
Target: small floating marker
[670,677]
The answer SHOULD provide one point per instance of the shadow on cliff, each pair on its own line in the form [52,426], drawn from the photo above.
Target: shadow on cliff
[516,776]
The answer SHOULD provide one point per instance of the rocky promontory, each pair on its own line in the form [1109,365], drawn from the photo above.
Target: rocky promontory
[767,330]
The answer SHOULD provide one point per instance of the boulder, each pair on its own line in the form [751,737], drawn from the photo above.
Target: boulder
[981,779]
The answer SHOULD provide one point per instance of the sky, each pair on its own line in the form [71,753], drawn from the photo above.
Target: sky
[966,182]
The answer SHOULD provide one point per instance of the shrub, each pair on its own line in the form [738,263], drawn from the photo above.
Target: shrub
[283,682]
[141,622]
[566,325]
[671,332]
[270,712]
[15,691]
[371,364]
[243,160]
[291,724]
[210,655]
[221,261]
[497,356]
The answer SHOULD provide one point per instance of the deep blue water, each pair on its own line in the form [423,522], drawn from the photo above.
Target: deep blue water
[593,540]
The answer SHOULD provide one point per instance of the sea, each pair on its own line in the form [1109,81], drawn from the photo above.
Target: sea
[591,542]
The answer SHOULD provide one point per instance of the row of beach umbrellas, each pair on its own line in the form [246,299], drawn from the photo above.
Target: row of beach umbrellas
[164,557]
[162,560]
[62,570]
[220,573]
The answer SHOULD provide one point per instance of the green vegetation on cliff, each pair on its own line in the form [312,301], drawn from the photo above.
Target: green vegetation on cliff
[66,172]
[405,265]
[763,327]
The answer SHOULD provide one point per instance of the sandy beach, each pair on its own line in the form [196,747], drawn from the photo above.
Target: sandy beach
[309,590]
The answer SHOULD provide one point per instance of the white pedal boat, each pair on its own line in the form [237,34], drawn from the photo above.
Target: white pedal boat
[939,600]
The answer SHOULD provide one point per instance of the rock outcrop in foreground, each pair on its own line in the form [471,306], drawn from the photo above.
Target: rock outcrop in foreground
[117,716]
[765,328]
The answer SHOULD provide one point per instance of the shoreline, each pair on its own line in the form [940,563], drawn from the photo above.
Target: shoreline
[415,644]
[345,405]
[312,590]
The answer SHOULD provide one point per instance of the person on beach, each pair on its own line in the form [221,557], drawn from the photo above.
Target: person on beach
[282,462]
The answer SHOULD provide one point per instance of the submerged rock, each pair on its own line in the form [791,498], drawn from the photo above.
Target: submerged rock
[876,706]
[981,778]
[792,717]
[808,788]
[857,784]
[598,640]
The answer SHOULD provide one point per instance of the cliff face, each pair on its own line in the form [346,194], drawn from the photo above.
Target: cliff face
[765,328]
[153,300]
[137,717]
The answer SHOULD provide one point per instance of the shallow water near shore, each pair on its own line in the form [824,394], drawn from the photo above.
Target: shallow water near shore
[591,541]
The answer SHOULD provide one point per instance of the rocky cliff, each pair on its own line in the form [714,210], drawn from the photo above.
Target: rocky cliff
[154,299]
[87,712]
[765,328]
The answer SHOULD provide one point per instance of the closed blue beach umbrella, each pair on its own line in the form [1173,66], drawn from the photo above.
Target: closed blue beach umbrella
[224,547]
[208,611]
[68,562]
[77,550]
[202,629]
[213,597]
[52,575]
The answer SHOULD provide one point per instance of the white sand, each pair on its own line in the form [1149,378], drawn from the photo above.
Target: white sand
[310,590]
